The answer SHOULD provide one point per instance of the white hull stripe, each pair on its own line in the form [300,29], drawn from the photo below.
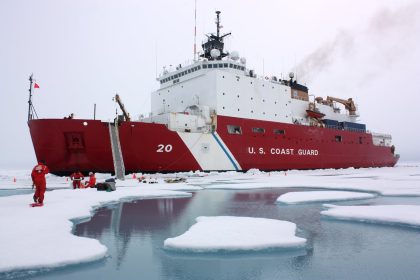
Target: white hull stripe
[209,151]
[226,151]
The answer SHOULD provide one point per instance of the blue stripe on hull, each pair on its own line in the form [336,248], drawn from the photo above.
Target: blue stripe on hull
[225,151]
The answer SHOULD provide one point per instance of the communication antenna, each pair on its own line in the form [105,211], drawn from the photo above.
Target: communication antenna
[263,67]
[195,30]
[156,59]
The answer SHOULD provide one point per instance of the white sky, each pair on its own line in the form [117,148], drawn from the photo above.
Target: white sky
[82,52]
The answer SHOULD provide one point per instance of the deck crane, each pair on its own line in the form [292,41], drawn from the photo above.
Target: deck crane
[348,104]
[126,115]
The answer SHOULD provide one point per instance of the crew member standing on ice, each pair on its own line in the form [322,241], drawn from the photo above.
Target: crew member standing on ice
[92,181]
[38,180]
[77,178]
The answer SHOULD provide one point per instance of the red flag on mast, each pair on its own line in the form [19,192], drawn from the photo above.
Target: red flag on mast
[36,85]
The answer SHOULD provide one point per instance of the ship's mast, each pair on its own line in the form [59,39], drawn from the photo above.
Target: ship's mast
[30,97]
[31,109]
[195,30]
[213,48]
[218,23]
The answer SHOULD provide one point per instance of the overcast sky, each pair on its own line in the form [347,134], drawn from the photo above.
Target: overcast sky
[84,51]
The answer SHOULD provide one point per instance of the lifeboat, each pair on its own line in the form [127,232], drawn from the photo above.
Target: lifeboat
[315,114]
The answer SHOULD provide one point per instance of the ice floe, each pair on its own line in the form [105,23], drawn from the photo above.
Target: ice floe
[318,196]
[227,233]
[42,237]
[403,180]
[384,214]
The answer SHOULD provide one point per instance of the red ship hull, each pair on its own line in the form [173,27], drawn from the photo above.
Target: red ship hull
[73,144]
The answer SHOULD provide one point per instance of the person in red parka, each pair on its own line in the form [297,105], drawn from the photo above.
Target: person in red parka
[92,181]
[38,180]
[77,178]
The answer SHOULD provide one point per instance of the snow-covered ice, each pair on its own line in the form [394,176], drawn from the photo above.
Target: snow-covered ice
[226,233]
[384,214]
[317,196]
[57,246]
[403,180]
[42,236]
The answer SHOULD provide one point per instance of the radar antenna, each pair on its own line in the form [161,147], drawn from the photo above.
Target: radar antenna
[215,42]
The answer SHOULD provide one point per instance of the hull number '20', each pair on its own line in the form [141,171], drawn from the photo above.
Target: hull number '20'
[161,148]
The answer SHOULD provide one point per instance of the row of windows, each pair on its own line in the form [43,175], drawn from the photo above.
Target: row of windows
[235,129]
[224,65]
[205,66]
[191,70]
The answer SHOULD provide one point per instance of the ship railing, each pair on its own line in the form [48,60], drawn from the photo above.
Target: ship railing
[337,127]
[383,135]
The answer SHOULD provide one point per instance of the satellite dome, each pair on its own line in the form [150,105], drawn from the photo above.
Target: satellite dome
[215,53]
[243,60]
[234,55]
[291,75]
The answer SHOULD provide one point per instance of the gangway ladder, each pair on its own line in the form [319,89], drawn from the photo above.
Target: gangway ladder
[119,168]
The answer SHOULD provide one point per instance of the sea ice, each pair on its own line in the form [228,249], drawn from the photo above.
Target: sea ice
[226,233]
[42,236]
[384,214]
[402,180]
[316,196]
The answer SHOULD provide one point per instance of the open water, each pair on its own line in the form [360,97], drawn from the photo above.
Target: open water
[134,233]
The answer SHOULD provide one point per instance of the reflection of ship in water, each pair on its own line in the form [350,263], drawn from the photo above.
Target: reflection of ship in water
[263,195]
[132,218]
[150,216]
[140,228]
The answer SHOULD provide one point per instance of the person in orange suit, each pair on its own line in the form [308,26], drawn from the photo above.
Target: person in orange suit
[38,180]
[92,181]
[77,178]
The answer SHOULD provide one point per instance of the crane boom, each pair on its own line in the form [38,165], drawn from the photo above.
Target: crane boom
[126,115]
[348,104]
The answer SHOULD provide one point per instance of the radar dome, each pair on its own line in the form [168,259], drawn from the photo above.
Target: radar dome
[234,55]
[291,75]
[215,53]
[243,60]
